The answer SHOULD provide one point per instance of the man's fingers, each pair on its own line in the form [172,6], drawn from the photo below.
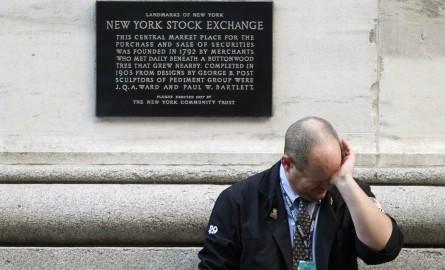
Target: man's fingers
[346,147]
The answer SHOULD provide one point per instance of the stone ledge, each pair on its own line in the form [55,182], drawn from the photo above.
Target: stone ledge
[113,258]
[97,258]
[136,214]
[194,174]
[413,259]
[105,214]
[254,158]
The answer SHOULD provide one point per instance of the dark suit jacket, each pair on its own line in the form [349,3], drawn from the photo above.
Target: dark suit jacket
[248,238]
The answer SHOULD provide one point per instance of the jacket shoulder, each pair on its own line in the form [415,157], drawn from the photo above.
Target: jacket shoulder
[248,186]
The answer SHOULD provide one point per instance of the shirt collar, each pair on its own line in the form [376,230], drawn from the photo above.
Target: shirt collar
[286,185]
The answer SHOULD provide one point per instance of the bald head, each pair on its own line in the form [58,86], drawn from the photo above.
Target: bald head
[306,134]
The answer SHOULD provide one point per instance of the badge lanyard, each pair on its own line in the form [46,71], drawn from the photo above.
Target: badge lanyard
[294,216]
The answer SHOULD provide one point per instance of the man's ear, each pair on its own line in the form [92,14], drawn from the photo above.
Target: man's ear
[286,161]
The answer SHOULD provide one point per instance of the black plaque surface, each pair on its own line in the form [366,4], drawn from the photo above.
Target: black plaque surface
[184,58]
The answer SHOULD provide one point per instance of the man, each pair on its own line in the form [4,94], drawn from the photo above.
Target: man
[306,212]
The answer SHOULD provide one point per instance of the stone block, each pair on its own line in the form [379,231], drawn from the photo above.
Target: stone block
[193,174]
[167,214]
[154,258]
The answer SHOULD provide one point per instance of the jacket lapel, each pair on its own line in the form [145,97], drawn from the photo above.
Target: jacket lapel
[280,232]
[277,224]
[326,231]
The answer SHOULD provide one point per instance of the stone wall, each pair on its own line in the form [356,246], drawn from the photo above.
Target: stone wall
[79,191]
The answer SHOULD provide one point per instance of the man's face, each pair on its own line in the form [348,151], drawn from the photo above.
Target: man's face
[313,182]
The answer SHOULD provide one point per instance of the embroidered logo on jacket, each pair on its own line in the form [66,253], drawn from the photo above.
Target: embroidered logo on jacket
[213,229]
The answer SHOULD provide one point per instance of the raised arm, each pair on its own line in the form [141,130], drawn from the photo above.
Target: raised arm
[373,227]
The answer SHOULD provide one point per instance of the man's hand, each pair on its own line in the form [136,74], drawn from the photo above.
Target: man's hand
[347,167]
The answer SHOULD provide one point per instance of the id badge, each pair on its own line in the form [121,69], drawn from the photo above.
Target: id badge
[304,265]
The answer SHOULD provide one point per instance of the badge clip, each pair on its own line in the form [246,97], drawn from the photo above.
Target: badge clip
[304,265]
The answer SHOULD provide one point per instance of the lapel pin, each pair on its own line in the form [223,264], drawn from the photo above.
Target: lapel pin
[274,214]
[332,201]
